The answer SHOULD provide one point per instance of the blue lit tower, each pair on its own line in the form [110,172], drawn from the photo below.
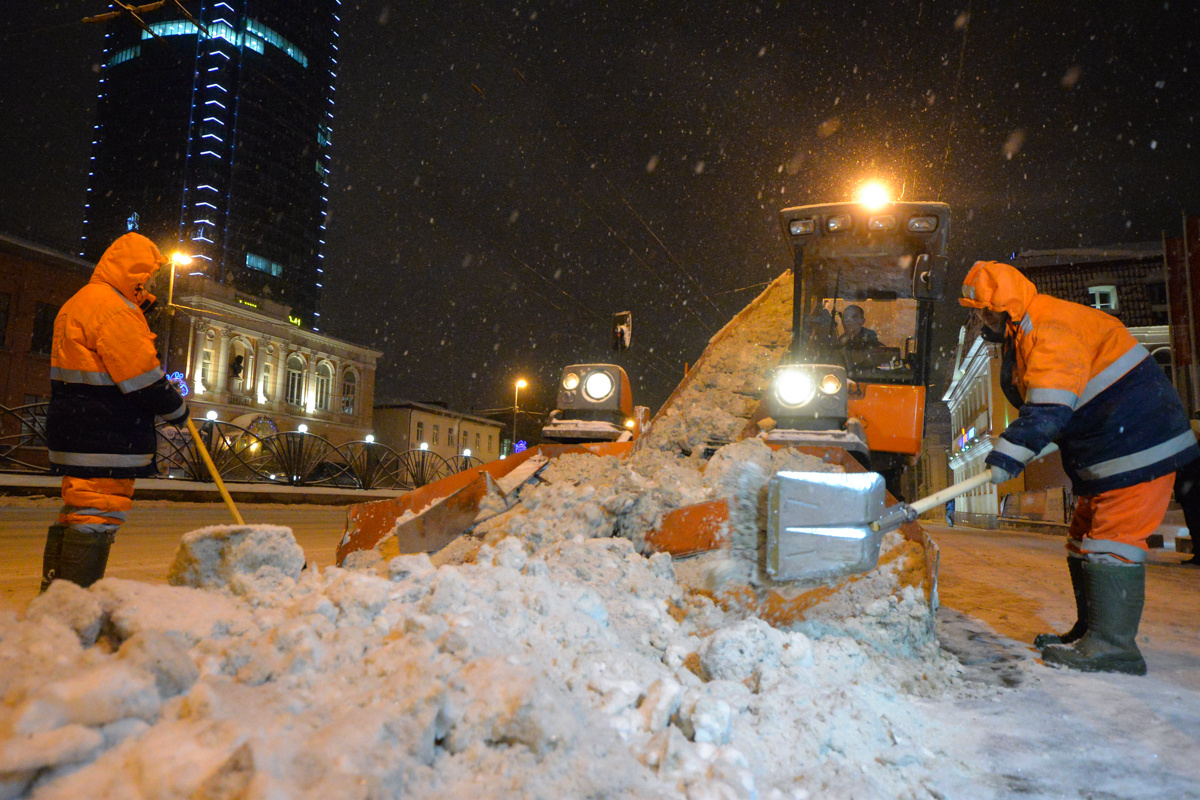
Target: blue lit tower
[213,128]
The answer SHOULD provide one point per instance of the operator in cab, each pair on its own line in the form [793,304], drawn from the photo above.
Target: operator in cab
[1081,380]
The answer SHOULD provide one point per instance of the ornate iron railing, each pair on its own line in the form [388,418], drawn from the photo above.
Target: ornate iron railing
[240,455]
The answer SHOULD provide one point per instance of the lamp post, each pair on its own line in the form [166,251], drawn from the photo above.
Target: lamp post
[521,384]
[177,259]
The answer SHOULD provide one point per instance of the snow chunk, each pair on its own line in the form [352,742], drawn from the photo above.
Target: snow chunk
[213,557]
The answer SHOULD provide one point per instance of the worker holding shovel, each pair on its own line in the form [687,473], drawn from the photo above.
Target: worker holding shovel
[1080,379]
[107,386]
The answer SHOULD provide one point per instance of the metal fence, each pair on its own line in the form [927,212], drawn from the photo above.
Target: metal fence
[240,455]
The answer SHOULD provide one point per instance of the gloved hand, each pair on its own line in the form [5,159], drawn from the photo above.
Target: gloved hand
[1001,475]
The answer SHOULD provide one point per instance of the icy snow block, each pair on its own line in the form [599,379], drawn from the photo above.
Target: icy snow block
[213,557]
[819,524]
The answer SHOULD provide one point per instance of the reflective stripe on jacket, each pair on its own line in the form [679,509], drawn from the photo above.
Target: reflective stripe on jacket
[107,384]
[1086,384]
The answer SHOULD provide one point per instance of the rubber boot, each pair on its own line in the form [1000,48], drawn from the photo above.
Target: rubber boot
[52,555]
[84,556]
[1115,596]
[1075,568]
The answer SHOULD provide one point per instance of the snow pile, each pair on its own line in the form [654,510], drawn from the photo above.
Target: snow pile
[722,390]
[554,661]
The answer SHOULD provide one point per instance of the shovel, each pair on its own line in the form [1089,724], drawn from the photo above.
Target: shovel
[825,525]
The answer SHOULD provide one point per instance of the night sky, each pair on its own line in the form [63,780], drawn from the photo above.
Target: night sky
[508,175]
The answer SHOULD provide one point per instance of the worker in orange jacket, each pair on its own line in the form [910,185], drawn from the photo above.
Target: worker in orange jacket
[106,388]
[1080,379]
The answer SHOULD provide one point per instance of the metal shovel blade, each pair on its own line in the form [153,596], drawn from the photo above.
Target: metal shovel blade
[819,524]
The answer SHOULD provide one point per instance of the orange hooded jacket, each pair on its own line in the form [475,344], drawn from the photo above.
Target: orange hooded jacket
[1086,384]
[107,384]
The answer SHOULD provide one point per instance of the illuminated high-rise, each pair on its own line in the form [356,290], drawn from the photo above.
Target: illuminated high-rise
[213,134]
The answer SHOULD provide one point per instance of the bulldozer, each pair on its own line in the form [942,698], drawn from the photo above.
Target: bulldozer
[595,404]
[783,373]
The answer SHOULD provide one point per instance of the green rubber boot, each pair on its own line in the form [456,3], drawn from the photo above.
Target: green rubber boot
[52,555]
[1115,597]
[84,556]
[1075,568]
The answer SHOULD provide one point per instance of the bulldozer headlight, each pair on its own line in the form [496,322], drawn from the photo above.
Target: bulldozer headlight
[923,224]
[841,222]
[598,386]
[801,227]
[884,223]
[794,388]
[831,384]
[570,381]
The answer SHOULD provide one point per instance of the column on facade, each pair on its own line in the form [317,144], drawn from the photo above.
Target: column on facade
[221,360]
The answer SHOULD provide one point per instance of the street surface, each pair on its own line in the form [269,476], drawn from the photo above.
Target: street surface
[146,544]
[1016,583]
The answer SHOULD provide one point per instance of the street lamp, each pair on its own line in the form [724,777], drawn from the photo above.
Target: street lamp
[178,259]
[521,384]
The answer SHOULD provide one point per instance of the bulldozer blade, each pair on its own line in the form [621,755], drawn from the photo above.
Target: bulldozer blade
[691,529]
[437,525]
[368,523]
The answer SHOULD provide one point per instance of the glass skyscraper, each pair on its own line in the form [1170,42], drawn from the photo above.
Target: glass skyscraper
[213,135]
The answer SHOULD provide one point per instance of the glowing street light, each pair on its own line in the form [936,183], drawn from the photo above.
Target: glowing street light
[521,384]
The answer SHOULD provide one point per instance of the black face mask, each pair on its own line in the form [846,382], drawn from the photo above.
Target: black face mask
[989,335]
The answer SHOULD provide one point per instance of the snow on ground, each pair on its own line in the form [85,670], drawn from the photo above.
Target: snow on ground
[555,661]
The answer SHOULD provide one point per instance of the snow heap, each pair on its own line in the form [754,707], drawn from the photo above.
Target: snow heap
[545,658]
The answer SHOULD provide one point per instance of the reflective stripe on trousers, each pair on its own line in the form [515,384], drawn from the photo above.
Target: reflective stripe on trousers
[1119,521]
[97,505]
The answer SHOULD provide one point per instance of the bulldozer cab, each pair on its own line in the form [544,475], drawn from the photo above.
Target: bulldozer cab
[865,285]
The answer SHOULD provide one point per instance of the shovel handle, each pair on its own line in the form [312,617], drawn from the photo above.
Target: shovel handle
[212,470]
[962,487]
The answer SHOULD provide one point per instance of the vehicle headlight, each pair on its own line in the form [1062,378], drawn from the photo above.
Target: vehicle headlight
[794,388]
[831,384]
[598,386]
[801,227]
[570,381]
[842,222]
[923,224]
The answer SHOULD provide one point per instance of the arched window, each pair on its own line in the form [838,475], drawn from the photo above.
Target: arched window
[295,380]
[349,391]
[324,385]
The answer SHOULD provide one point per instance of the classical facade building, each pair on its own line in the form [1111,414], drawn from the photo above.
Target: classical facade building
[406,425]
[248,360]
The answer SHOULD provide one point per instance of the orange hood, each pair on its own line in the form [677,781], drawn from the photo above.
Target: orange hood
[998,287]
[126,266]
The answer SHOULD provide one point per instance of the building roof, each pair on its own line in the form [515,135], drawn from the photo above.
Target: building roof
[1139,251]
[437,409]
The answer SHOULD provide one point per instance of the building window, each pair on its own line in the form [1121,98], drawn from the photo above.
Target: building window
[324,384]
[266,265]
[1103,297]
[295,380]
[349,391]
[466,439]
[476,441]
[489,442]
[436,430]
[264,390]
[206,368]
[450,436]
[121,56]
[43,328]
[420,433]
[4,301]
